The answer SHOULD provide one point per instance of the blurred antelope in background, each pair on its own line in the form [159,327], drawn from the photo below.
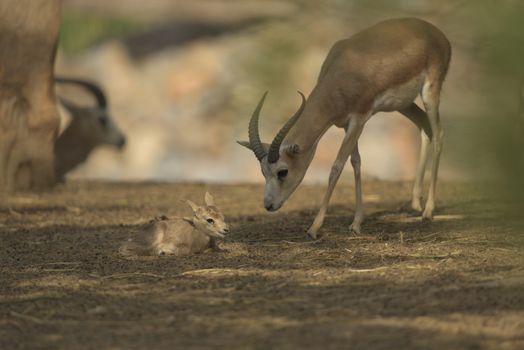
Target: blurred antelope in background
[89,128]
[380,69]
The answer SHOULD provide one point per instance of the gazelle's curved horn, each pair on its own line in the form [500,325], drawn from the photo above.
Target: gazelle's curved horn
[274,149]
[89,85]
[254,136]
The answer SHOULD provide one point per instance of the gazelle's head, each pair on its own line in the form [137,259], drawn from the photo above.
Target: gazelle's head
[209,219]
[94,123]
[283,165]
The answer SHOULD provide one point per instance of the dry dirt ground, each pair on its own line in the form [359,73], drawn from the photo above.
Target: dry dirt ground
[456,283]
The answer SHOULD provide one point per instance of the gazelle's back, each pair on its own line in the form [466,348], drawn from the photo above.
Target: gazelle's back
[405,43]
[387,54]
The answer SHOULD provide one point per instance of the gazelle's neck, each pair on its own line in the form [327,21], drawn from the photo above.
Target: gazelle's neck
[311,125]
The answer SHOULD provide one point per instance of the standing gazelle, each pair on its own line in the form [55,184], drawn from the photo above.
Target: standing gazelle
[380,69]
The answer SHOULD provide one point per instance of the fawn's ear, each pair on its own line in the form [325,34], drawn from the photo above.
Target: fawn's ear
[208,198]
[193,206]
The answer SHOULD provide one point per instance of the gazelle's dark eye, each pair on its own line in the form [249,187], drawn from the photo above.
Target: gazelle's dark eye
[211,221]
[282,174]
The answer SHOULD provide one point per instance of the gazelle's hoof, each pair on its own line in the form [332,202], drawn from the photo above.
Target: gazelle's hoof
[354,228]
[311,233]
[416,206]
[427,215]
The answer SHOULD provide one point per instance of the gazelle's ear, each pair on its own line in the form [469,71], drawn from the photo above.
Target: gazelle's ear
[210,201]
[193,206]
[293,149]
[247,145]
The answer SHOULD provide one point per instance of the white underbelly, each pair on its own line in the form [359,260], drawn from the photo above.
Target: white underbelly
[399,97]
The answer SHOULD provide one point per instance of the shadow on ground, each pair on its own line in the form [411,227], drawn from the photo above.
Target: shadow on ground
[455,283]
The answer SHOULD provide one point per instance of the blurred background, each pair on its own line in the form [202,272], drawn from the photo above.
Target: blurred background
[183,77]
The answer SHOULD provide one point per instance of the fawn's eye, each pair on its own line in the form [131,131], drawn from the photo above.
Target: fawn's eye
[211,221]
[282,174]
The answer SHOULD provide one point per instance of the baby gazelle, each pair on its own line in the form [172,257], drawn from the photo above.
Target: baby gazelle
[181,236]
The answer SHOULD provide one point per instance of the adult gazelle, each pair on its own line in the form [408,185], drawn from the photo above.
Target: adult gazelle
[380,69]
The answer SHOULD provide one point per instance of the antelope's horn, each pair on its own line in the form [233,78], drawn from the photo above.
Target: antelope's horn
[90,86]
[274,149]
[254,136]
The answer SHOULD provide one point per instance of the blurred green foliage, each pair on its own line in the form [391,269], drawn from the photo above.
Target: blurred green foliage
[502,123]
[271,65]
[80,31]
[506,50]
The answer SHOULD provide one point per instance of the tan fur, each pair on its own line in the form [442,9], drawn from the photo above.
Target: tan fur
[28,116]
[382,68]
[180,236]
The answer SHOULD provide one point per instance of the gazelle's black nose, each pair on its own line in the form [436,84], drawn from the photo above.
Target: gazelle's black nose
[269,207]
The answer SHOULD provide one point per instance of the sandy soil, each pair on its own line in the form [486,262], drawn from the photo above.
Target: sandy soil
[456,283]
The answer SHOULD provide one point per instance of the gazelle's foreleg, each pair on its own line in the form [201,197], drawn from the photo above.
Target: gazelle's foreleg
[359,210]
[431,99]
[349,143]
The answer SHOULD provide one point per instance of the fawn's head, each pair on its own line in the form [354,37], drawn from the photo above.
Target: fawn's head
[208,218]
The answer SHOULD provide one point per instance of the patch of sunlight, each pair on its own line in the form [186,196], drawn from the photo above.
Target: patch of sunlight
[372,198]
[474,325]
[221,272]
[62,281]
[411,219]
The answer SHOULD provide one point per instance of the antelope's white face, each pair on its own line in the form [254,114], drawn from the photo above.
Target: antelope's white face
[283,166]
[282,177]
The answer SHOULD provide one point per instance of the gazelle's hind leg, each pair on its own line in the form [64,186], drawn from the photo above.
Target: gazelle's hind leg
[416,197]
[359,210]
[431,99]
[420,118]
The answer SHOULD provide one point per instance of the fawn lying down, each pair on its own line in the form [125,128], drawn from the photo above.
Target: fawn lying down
[181,236]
